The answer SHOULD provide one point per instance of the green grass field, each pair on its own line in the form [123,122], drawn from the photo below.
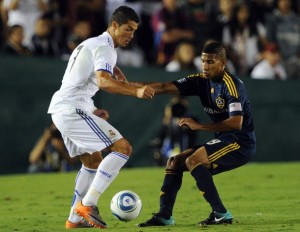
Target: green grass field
[261,197]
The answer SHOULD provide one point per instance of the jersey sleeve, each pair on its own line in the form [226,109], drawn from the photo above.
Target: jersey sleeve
[105,59]
[235,99]
[188,86]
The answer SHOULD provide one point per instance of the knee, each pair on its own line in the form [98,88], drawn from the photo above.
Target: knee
[122,146]
[194,161]
[190,163]
[91,161]
[174,163]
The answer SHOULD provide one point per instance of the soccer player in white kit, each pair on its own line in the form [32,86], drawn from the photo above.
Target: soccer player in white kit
[84,127]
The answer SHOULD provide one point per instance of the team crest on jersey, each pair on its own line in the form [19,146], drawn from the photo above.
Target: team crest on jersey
[220,102]
[112,133]
[212,90]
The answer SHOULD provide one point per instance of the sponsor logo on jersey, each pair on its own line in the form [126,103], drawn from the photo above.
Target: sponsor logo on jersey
[212,111]
[220,102]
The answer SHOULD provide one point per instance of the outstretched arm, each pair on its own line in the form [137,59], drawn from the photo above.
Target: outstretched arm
[232,123]
[110,85]
[159,87]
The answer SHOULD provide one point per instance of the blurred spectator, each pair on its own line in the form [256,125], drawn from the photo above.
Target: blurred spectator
[145,34]
[14,44]
[202,15]
[293,67]
[262,9]
[226,11]
[283,28]
[42,42]
[184,59]
[297,7]
[24,13]
[92,11]
[244,36]
[269,68]
[81,31]
[130,56]
[170,28]
[59,13]
[2,26]
[49,153]
[71,44]
[172,138]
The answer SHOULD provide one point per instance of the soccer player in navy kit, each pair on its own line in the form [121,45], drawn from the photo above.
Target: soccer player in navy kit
[225,100]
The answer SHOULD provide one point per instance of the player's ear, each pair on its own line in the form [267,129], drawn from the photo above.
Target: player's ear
[224,62]
[114,25]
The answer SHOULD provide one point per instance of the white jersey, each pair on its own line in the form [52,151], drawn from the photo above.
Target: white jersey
[79,83]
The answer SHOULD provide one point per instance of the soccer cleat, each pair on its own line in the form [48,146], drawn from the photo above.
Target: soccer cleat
[90,214]
[81,224]
[157,221]
[216,218]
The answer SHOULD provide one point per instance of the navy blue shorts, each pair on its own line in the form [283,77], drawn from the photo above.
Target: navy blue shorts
[224,153]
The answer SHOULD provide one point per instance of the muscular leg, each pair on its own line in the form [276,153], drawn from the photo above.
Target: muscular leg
[172,183]
[83,181]
[198,165]
[108,170]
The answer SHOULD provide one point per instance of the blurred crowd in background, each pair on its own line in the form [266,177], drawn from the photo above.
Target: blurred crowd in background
[262,37]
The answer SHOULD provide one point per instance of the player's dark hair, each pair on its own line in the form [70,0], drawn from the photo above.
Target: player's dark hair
[215,47]
[123,14]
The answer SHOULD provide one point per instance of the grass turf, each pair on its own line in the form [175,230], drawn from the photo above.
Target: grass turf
[261,197]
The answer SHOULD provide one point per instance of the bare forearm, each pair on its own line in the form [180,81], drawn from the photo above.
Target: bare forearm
[232,123]
[36,152]
[108,84]
[159,87]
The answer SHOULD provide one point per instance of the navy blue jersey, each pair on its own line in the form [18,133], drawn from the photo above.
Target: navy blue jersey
[222,99]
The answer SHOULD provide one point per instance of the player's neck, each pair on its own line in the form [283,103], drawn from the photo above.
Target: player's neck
[112,34]
[218,77]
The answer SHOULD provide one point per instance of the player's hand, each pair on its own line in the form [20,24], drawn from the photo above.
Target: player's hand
[101,113]
[189,122]
[146,92]
[118,75]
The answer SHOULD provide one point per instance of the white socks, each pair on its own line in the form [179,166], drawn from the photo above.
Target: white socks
[83,181]
[106,173]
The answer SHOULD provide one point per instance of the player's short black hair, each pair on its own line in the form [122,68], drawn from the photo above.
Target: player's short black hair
[123,14]
[215,47]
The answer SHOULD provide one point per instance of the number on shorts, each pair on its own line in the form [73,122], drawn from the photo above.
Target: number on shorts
[214,141]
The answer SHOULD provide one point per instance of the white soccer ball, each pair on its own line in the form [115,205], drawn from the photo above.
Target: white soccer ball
[126,205]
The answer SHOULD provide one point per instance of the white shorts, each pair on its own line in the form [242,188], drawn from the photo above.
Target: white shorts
[84,132]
